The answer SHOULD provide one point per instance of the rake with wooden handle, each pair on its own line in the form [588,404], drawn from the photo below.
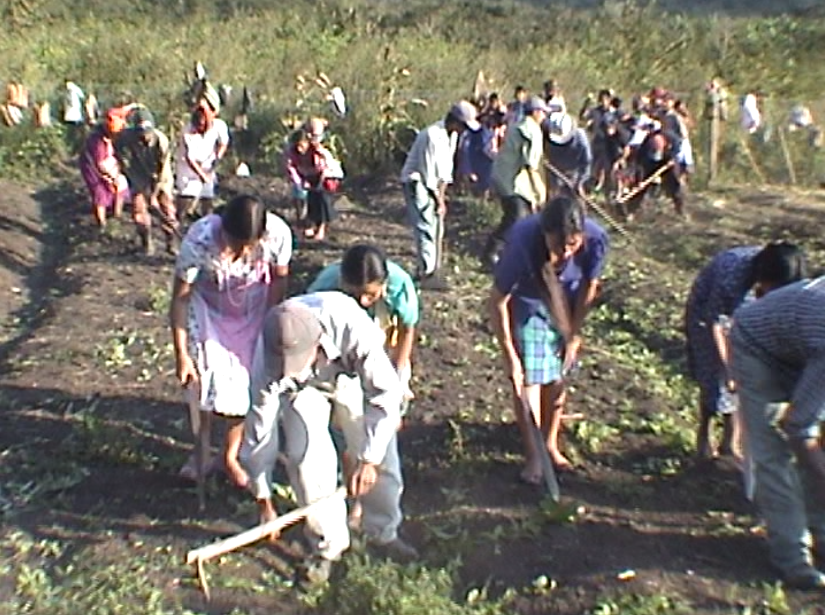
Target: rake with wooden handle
[198,557]
[589,202]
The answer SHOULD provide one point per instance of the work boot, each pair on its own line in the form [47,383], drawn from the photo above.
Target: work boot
[812,580]
[397,550]
[315,570]
[434,282]
[171,245]
[146,243]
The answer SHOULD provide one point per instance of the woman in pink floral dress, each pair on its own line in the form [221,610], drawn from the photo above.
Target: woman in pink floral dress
[100,169]
[231,268]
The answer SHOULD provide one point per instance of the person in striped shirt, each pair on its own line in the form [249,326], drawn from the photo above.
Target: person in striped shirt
[779,366]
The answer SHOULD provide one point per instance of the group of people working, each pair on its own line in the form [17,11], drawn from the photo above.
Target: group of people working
[329,371]
[334,361]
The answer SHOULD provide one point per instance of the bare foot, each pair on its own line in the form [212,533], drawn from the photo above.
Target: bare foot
[560,462]
[269,513]
[236,473]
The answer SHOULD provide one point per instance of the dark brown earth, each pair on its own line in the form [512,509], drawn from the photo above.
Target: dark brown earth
[90,412]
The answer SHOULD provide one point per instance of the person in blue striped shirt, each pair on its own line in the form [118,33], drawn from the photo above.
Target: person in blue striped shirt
[779,368]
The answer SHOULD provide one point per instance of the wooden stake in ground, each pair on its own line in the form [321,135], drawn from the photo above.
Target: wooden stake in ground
[752,159]
[783,143]
[198,557]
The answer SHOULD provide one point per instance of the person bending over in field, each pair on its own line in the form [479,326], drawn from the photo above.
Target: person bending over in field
[321,355]
[231,268]
[719,289]
[544,286]
[387,292]
[779,366]
[309,168]
[100,168]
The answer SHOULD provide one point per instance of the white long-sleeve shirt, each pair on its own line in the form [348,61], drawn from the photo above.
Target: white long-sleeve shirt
[430,159]
[353,344]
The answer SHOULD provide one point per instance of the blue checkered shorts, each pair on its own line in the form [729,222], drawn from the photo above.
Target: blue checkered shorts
[540,347]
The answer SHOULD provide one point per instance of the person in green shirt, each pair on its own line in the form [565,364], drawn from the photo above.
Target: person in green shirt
[388,294]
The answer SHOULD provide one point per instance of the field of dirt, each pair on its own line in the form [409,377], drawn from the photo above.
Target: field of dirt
[93,431]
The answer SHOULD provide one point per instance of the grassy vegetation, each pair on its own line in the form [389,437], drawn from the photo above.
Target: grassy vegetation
[384,54]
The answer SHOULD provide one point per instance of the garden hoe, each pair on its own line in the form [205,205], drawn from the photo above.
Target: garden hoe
[547,470]
[197,557]
[201,431]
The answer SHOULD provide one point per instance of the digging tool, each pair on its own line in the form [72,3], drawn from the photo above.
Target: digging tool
[547,470]
[201,431]
[439,241]
[642,185]
[247,537]
[589,202]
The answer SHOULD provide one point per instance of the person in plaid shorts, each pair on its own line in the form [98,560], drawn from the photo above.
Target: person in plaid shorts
[544,285]
[779,366]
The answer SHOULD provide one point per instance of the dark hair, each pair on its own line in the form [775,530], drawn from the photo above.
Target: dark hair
[363,264]
[244,219]
[562,216]
[519,89]
[301,134]
[779,263]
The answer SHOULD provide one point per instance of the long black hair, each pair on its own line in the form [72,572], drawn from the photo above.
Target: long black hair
[562,216]
[363,264]
[779,263]
[244,219]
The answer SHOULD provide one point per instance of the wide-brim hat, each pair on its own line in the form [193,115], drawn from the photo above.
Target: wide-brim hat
[560,127]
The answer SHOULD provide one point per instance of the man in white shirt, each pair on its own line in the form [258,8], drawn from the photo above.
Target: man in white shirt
[73,104]
[427,172]
[203,144]
[319,354]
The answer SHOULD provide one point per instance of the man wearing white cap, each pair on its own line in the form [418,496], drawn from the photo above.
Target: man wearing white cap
[568,151]
[319,354]
[427,172]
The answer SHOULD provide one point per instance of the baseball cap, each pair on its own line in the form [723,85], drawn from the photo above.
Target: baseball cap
[142,119]
[466,113]
[536,103]
[291,333]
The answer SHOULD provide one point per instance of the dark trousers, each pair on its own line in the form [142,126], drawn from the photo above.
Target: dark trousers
[513,208]
[320,207]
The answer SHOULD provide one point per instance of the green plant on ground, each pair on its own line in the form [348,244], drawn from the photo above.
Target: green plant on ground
[86,583]
[642,604]
[369,587]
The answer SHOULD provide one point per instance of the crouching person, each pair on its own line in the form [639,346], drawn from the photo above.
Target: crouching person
[778,359]
[321,354]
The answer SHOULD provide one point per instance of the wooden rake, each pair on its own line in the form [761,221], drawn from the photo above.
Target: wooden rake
[197,557]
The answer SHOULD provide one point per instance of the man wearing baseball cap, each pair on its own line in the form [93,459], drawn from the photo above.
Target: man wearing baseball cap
[146,158]
[517,177]
[318,354]
[427,172]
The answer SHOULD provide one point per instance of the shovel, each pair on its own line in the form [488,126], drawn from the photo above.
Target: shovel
[547,470]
